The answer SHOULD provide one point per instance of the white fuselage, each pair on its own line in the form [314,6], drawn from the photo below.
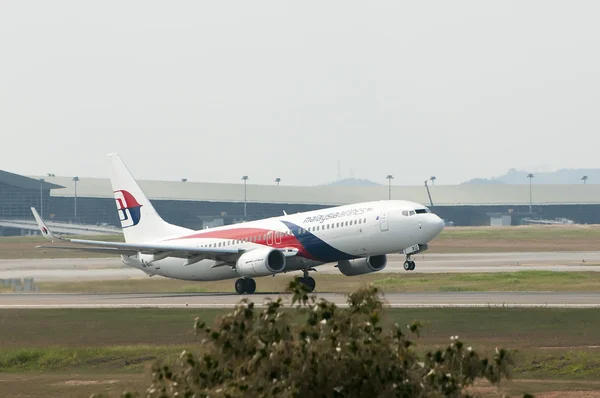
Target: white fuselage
[316,237]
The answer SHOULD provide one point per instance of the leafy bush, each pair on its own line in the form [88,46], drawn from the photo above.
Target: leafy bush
[327,351]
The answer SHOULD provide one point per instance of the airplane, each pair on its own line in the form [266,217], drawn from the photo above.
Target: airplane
[357,237]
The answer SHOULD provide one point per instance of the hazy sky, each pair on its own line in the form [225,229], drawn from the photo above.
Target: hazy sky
[216,89]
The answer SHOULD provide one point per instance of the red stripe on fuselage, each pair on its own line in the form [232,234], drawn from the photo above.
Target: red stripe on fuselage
[285,240]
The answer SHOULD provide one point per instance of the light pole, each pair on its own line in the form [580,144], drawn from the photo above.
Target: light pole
[278,180]
[530,176]
[584,179]
[390,178]
[41,197]
[245,178]
[432,179]
[75,179]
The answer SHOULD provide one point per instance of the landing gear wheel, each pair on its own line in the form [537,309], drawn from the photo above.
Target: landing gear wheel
[308,282]
[412,265]
[407,265]
[250,286]
[240,286]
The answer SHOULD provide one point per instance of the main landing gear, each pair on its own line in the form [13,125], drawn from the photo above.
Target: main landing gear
[307,281]
[245,285]
[409,265]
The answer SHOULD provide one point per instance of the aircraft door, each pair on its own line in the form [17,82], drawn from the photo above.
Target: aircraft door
[383,220]
[270,238]
[278,237]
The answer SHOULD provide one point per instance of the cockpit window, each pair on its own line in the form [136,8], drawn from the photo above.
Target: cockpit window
[407,213]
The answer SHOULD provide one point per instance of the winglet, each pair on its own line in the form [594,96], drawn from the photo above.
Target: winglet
[284,213]
[46,233]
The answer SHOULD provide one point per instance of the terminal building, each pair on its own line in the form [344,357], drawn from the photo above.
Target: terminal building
[196,205]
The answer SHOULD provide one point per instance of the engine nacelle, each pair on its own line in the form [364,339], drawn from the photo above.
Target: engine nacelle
[361,266]
[260,262]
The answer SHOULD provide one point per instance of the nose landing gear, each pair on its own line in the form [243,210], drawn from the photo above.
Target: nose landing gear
[409,265]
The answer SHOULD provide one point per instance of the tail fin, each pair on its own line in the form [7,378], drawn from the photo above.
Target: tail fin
[139,220]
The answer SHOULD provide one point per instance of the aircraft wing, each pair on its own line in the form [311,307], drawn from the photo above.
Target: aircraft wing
[157,249]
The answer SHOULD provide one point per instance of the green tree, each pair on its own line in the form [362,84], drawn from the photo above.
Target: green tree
[325,351]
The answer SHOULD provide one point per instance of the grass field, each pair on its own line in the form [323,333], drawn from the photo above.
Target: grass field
[75,352]
[517,238]
[390,282]
[451,240]
[15,247]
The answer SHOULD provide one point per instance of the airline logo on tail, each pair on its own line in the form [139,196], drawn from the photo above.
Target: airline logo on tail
[129,209]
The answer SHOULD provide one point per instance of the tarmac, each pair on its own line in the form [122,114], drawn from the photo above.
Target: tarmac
[112,268]
[80,269]
[229,300]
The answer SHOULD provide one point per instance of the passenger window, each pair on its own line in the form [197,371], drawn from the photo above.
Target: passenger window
[360,221]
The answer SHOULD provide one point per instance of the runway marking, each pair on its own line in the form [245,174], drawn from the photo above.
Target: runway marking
[340,305]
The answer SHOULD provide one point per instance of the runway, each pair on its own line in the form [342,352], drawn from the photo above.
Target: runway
[229,300]
[79,269]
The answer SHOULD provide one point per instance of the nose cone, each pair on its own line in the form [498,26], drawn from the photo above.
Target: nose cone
[433,226]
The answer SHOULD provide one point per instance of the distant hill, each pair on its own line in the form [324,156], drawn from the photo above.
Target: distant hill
[353,182]
[483,181]
[563,176]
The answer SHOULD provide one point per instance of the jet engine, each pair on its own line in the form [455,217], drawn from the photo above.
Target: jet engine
[260,262]
[361,266]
